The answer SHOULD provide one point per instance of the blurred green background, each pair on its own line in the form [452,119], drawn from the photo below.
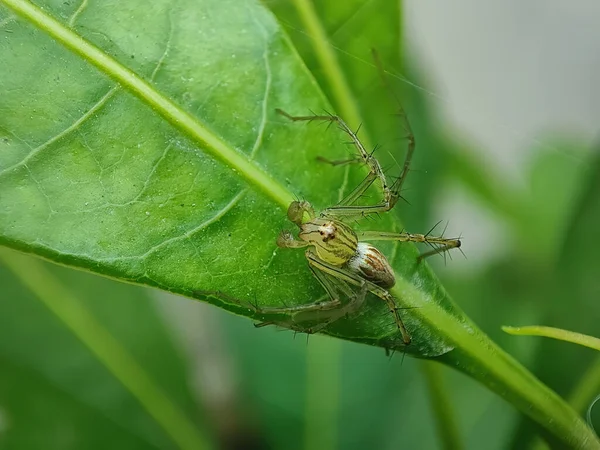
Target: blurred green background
[533,261]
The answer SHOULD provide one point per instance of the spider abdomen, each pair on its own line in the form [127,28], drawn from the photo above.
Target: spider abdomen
[372,265]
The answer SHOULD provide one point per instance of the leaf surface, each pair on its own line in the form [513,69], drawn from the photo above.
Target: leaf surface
[179,176]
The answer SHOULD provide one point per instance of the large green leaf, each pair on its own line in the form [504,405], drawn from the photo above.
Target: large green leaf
[97,162]
[148,149]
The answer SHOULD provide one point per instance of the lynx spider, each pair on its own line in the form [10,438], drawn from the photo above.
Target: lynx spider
[340,257]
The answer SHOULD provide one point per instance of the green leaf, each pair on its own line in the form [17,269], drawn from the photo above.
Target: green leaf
[131,158]
[148,150]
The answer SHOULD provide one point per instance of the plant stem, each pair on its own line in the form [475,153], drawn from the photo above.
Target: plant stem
[475,354]
[555,333]
[441,404]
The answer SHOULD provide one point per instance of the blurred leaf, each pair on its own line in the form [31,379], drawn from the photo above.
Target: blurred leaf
[36,414]
[555,181]
[570,301]
[56,393]
[475,173]
[367,381]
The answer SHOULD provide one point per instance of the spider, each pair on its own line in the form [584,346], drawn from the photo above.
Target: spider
[340,258]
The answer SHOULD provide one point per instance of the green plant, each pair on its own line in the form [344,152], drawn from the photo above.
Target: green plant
[147,156]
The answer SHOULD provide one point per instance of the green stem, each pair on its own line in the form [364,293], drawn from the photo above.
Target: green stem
[580,399]
[441,404]
[474,353]
[322,393]
[587,388]
[71,311]
[555,333]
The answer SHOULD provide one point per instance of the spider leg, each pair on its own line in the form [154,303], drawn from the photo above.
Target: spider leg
[316,312]
[440,244]
[410,136]
[339,162]
[287,240]
[354,304]
[325,312]
[391,193]
[322,304]
[375,171]
[357,280]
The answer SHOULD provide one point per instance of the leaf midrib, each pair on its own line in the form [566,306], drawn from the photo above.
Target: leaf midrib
[191,126]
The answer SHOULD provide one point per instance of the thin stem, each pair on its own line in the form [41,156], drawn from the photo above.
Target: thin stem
[587,388]
[580,398]
[555,333]
[322,393]
[474,353]
[441,404]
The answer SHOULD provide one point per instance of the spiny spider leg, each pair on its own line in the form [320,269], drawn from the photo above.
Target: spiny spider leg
[438,250]
[391,194]
[397,186]
[333,286]
[319,305]
[376,172]
[339,162]
[441,244]
[353,196]
[326,317]
[353,278]
[326,312]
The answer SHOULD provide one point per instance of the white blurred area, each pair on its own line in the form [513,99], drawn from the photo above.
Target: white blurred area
[507,76]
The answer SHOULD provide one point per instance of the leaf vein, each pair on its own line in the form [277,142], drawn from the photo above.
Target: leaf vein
[152,171]
[215,218]
[263,119]
[74,126]
[166,51]
[211,143]
[43,192]
[77,12]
